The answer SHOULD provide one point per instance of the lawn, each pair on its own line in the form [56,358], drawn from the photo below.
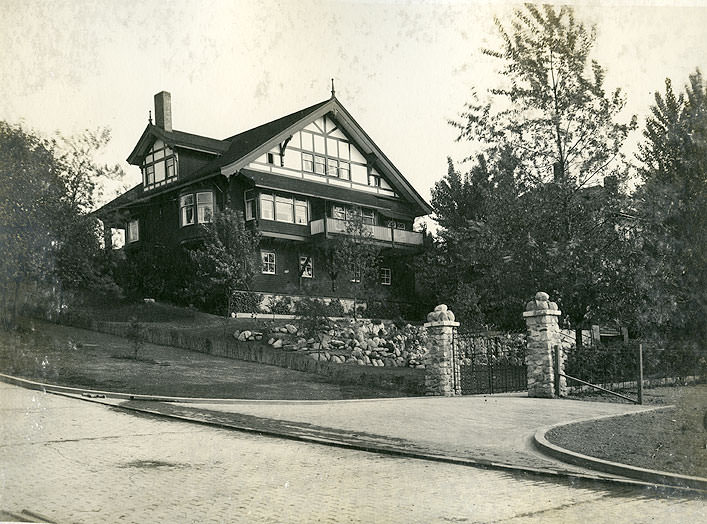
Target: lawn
[70,356]
[673,439]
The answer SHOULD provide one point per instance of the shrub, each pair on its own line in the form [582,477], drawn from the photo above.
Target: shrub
[336,308]
[282,306]
[245,302]
[313,315]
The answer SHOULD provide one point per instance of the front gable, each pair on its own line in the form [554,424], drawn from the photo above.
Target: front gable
[328,146]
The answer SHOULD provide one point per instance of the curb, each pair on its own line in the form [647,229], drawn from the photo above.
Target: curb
[651,476]
[98,397]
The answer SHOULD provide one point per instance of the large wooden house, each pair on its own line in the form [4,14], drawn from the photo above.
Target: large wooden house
[297,179]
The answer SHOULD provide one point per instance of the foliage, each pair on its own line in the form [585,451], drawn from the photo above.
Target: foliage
[313,316]
[228,258]
[47,241]
[135,336]
[245,302]
[353,255]
[282,305]
[529,215]
[672,211]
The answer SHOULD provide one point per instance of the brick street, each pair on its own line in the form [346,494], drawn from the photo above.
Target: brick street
[73,461]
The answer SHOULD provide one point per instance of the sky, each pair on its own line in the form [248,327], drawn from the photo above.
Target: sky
[403,69]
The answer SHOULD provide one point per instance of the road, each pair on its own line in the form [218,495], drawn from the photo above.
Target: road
[73,461]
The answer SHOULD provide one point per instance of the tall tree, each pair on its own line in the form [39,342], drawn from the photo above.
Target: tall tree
[672,207]
[545,139]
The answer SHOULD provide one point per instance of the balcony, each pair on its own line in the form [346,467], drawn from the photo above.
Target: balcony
[380,233]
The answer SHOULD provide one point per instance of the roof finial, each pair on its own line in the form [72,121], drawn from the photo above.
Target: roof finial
[333,92]
[149,116]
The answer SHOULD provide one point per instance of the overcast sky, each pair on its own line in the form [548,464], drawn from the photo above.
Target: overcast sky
[402,68]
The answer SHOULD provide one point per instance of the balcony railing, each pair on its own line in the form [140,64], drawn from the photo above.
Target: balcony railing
[383,234]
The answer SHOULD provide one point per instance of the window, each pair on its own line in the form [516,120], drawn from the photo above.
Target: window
[133,231]
[374,180]
[274,159]
[345,170]
[386,276]
[267,206]
[283,209]
[186,204]
[307,162]
[205,207]
[159,166]
[268,258]
[301,212]
[305,266]
[332,167]
[338,213]
[249,205]
[396,224]
[367,216]
[356,275]
[196,207]
[319,165]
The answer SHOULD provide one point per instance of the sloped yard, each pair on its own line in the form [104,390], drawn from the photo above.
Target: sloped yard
[75,357]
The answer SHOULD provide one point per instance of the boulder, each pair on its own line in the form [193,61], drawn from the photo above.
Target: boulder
[277,343]
[291,329]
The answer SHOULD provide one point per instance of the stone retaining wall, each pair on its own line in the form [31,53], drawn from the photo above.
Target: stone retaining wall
[406,380]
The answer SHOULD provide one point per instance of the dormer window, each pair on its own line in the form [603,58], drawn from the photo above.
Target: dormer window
[159,166]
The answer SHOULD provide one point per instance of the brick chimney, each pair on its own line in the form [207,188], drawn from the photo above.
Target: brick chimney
[163,110]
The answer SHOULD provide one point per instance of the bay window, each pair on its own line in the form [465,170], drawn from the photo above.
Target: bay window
[196,208]
[282,208]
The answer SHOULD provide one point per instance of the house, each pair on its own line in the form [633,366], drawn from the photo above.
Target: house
[297,179]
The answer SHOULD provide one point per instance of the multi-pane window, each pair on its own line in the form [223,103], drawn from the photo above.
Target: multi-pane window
[301,212]
[133,231]
[319,165]
[305,266]
[356,274]
[267,206]
[366,215]
[386,276]
[283,209]
[249,205]
[332,155]
[307,162]
[396,224]
[196,207]
[159,165]
[268,259]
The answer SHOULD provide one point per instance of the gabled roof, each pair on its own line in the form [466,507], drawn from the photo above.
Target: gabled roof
[175,138]
[236,152]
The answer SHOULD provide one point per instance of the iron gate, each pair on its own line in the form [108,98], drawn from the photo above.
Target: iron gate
[491,362]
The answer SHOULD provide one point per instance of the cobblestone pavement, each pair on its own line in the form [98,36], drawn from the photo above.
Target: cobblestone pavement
[73,461]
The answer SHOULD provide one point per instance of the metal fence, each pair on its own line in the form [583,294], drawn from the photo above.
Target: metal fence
[491,362]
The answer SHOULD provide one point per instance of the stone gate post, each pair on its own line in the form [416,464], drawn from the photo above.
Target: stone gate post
[441,360]
[541,317]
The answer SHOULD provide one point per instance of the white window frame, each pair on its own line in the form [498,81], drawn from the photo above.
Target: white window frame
[309,269]
[301,209]
[386,276]
[268,266]
[167,157]
[249,206]
[284,203]
[132,231]
[198,204]
[267,203]
[356,277]
[186,203]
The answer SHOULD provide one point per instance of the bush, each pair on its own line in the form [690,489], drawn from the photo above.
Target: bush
[313,315]
[282,306]
[336,308]
[245,302]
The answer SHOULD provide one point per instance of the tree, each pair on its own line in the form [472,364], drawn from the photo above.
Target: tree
[353,254]
[530,214]
[228,258]
[30,199]
[49,244]
[672,209]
